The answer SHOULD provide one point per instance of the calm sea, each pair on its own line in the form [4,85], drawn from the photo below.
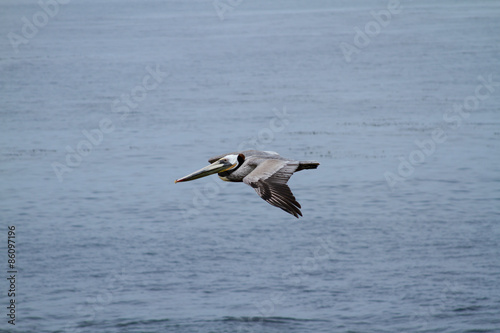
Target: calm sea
[104,104]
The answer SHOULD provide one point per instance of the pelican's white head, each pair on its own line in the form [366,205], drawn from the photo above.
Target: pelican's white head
[233,159]
[222,164]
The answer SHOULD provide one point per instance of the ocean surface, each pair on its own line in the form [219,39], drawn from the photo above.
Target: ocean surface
[103,104]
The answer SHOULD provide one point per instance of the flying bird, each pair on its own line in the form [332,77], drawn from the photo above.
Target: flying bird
[266,171]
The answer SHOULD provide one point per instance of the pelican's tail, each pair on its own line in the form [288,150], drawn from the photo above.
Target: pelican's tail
[303,165]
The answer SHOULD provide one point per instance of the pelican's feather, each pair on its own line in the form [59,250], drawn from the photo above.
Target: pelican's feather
[269,180]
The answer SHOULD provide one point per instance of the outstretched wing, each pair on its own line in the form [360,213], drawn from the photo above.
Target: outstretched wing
[269,180]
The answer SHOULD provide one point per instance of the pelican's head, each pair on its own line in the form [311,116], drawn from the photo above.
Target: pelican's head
[222,164]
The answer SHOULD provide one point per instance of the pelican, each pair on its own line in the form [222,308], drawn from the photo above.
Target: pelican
[266,171]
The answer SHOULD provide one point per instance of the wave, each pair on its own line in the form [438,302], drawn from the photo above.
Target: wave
[274,320]
[142,322]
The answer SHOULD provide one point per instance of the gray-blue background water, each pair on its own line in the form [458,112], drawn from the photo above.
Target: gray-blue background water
[105,104]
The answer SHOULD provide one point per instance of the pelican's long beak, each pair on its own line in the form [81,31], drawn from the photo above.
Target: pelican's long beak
[216,167]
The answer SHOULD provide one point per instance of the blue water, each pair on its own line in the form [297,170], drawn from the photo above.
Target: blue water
[106,104]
